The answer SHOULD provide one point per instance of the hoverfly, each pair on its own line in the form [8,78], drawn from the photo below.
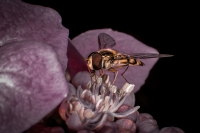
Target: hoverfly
[111,60]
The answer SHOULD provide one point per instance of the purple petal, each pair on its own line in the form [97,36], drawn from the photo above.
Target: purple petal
[32,64]
[74,122]
[171,130]
[85,131]
[106,129]
[130,100]
[87,43]
[81,78]
[143,116]
[133,116]
[36,128]
[32,84]
[41,128]
[111,124]
[124,114]
[146,116]
[99,124]
[21,21]
[109,127]
[63,111]
[156,131]
[147,126]
[72,90]
[123,130]
[57,130]
[127,124]
[76,62]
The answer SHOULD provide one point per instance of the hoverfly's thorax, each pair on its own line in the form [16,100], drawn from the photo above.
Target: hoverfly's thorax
[108,64]
[107,57]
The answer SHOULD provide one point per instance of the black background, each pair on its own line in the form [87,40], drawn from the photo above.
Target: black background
[167,92]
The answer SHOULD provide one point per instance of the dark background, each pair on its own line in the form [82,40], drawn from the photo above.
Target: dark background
[167,92]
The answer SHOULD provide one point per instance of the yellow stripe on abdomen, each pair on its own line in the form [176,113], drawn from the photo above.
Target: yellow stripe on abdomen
[135,62]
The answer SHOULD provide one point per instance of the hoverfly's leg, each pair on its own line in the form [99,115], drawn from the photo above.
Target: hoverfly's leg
[124,72]
[116,73]
[101,72]
[91,74]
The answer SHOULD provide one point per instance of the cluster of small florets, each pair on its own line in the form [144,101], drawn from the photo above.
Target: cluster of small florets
[96,104]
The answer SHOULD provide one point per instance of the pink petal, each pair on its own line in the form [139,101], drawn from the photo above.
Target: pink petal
[87,96]
[126,124]
[171,130]
[89,114]
[87,43]
[109,127]
[63,109]
[133,117]
[32,64]
[123,108]
[124,130]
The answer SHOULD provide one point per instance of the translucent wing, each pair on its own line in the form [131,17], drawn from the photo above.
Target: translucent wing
[149,55]
[105,41]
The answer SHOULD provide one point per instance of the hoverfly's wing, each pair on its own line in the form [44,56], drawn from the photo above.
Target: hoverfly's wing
[105,41]
[149,55]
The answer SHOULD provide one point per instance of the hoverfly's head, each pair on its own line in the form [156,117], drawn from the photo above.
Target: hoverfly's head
[94,61]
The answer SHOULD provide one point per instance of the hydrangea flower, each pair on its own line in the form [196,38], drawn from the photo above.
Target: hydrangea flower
[135,122]
[32,70]
[82,112]
[90,108]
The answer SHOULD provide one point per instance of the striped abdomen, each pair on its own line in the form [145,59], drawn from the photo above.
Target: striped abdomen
[135,62]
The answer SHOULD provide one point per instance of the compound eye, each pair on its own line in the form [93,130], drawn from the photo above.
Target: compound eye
[97,61]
